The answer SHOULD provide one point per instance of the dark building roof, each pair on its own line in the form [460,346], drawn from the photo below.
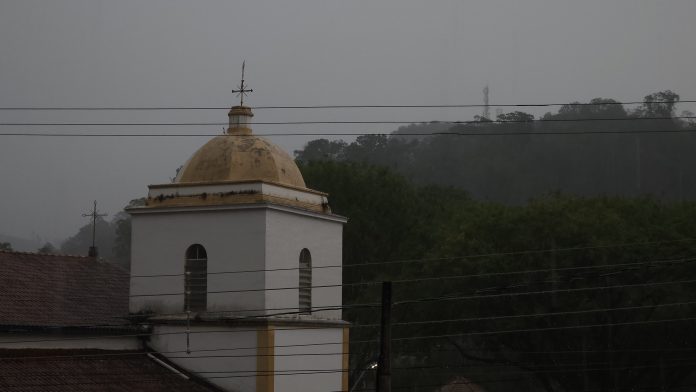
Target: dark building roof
[30,370]
[40,290]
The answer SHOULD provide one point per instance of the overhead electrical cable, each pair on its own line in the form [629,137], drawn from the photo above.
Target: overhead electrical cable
[415,280]
[456,258]
[169,124]
[157,108]
[541,329]
[511,133]
[236,374]
[417,322]
[552,291]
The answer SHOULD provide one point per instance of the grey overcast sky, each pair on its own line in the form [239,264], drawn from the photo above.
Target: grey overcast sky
[186,53]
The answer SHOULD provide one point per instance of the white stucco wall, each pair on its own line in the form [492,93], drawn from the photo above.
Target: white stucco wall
[67,341]
[286,235]
[233,239]
[253,238]
[232,364]
[295,359]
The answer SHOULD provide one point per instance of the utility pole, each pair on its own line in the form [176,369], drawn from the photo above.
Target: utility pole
[384,363]
[639,173]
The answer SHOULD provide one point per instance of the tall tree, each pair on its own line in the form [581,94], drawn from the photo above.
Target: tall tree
[659,104]
[47,248]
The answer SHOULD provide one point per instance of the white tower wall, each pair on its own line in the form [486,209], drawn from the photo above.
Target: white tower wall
[234,240]
[264,239]
[287,234]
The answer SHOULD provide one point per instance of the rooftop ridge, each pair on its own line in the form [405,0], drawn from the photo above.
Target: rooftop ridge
[44,254]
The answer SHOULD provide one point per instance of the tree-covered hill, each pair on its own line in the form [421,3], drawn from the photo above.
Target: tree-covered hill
[577,150]
[562,293]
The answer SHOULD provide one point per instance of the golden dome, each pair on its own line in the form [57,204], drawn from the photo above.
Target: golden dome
[240,156]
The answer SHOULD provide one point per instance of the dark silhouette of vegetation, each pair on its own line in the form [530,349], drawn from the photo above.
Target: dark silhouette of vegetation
[47,248]
[5,246]
[642,245]
[112,240]
[531,159]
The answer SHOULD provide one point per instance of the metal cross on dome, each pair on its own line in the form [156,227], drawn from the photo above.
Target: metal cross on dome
[242,88]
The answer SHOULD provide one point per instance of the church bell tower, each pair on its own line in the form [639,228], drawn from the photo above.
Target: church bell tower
[238,256]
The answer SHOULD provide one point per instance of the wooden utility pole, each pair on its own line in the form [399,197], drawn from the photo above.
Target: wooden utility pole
[384,363]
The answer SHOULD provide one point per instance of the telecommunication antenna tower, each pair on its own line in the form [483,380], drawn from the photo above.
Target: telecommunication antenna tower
[486,106]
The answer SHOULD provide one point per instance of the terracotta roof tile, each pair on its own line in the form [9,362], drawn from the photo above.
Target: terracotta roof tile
[30,370]
[40,290]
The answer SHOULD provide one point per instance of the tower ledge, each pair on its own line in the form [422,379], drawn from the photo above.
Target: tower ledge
[235,192]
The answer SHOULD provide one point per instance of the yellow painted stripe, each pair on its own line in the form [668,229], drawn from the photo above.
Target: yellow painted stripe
[265,360]
[346,359]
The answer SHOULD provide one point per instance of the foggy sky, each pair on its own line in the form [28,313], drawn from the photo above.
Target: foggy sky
[183,53]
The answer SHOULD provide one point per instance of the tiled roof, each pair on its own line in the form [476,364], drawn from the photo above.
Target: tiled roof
[40,290]
[88,371]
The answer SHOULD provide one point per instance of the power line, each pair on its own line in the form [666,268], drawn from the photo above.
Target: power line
[645,263]
[483,318]
[415,280]
[236,319]
[146,334]
[546,314]
[156,108]
[401,323]
[172,375]
[427,337]
[121,354]
[573,290]
[551,368]
[542,329]
[648,263]
[456,258]
[455,122]
[513,133]
[252,373]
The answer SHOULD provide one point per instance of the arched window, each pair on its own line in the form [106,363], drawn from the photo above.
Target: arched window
[196,279]
[305,281]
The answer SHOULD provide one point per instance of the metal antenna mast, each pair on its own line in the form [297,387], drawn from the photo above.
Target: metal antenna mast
[486,107]
[94,215]
[243,90]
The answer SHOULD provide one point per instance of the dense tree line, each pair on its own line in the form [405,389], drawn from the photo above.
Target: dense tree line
[571,335]
[112,241]
[519,157]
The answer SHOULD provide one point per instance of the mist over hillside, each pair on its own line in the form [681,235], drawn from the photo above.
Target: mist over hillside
[595,148]
[21,244]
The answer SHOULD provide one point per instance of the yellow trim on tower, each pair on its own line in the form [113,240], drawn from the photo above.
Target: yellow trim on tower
[346,359]
[265,360]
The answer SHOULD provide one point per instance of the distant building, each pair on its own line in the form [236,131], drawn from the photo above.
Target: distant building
[235,284]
